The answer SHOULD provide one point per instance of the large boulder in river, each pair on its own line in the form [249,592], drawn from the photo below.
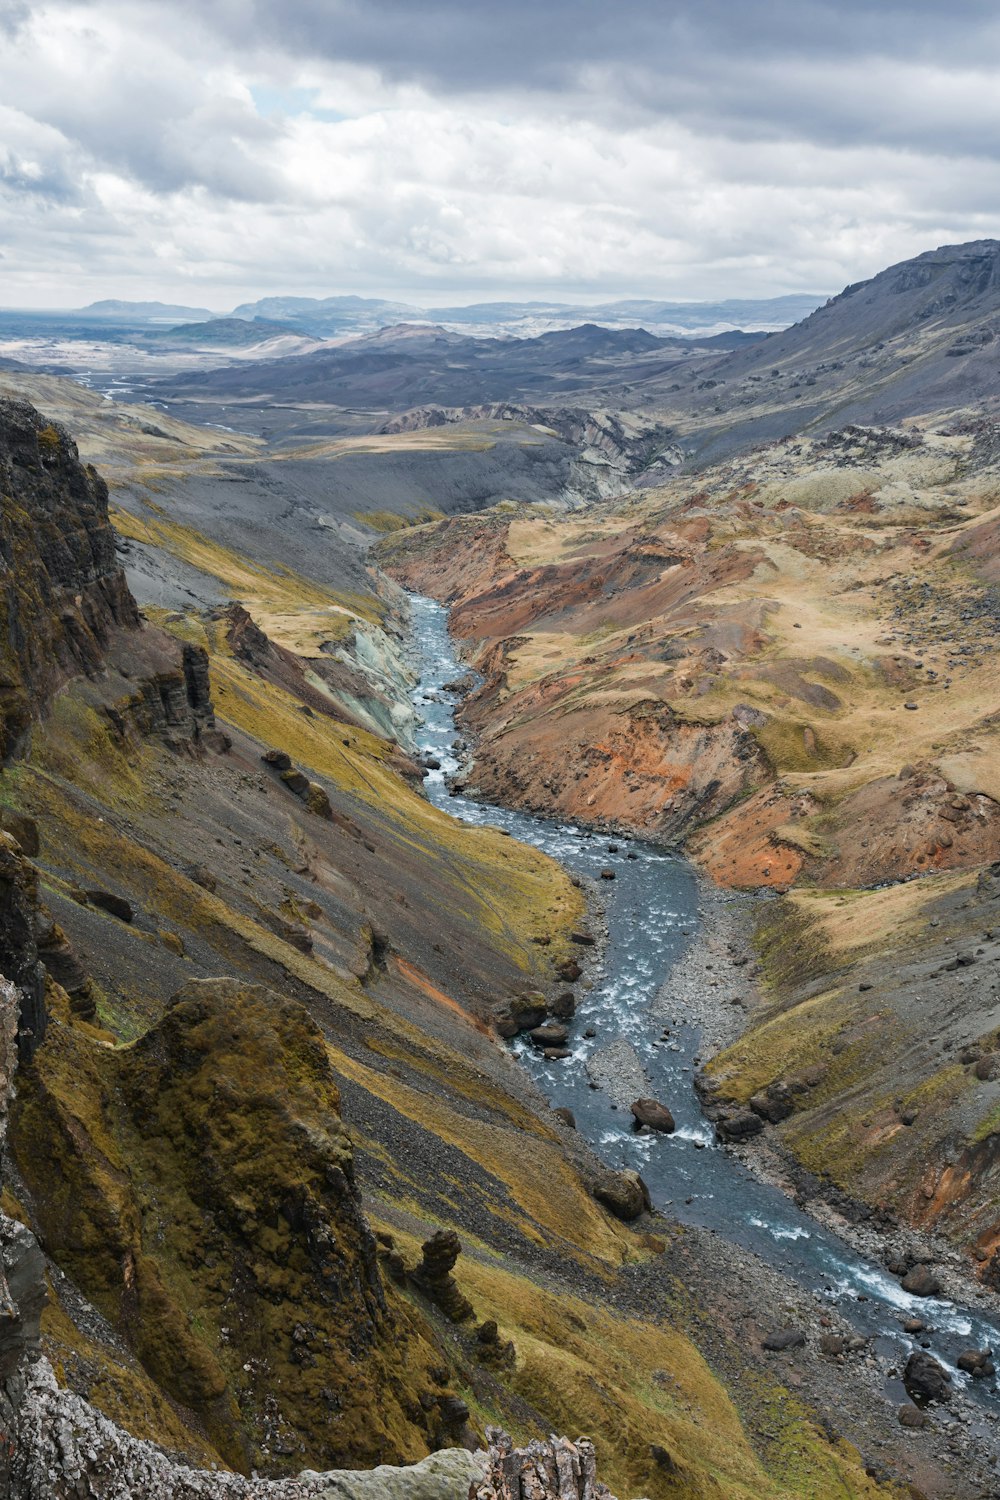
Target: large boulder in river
[522,1014]
[563,1005]
[925,1379]
[654,1114]
[921,1282]
[553,1034]
[622,1193]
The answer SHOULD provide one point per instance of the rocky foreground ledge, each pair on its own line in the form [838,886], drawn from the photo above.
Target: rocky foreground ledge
[67,1450]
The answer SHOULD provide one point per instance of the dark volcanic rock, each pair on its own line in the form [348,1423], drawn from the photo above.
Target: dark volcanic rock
[569,971]
[551,1035]
[296,782]
[19,958]
[775,1103]
[563,1006]
[64,591]
[784,1338]
[739,1127]
[434,1276]
[23,828]
[115,906]
[654,1114]
[925,1379]
[977,1362]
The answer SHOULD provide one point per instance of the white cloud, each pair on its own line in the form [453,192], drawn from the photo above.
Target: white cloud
[219,152]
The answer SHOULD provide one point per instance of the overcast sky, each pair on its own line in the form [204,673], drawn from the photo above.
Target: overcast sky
[212,151]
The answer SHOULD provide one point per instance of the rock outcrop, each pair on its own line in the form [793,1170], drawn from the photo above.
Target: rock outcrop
[248,1285]
[66,607]
[63,593]
[70,1451]
[550,1470]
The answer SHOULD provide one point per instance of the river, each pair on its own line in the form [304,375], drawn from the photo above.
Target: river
[652,915]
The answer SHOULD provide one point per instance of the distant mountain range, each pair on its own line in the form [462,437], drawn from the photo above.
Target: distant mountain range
[337,316]
[347,316]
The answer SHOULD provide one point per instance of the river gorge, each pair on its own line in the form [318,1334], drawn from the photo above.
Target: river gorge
[653,913]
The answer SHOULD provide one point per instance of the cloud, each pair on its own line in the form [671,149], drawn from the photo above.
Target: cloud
[219,149]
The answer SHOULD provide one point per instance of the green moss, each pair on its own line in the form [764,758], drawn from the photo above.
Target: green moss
[788,747]
[203,1200]
[390,520]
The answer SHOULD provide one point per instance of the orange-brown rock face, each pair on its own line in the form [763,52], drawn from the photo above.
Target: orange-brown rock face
[776,663]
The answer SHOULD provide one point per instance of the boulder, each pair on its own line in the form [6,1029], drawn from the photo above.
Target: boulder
[775,1103]
[563,1007]
[520,1015]
[654,1114]
[584,939]
[623,1194]
[783,1338]
[279,759]
[607,874]
[295,782]
[566,1115]
[977,1362]
[921,1282]
[551,1035]
[925,1379]
[911,1416]
[317,800]
[569,971]
[23,828]
[115,906]
[739,1127]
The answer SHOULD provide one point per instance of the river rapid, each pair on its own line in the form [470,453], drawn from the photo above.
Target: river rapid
[652,916]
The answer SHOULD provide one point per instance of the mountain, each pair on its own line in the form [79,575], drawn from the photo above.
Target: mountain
[140,312]
[920,337]
[235,333]
[411,365]
[328,316]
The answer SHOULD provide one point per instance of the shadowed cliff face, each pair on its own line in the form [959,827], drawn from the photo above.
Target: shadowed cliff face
[63,592]
[66,608]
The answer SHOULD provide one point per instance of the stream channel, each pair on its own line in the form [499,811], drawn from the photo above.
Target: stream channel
[652,915]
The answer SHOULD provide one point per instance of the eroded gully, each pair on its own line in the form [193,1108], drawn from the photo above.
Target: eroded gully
[652,916]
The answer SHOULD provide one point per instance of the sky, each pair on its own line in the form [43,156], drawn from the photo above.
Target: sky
[213,151]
